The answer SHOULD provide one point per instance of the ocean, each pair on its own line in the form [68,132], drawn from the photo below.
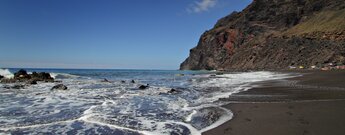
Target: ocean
[92,106]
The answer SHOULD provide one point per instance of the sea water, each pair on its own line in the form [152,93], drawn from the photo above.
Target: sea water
[91,106]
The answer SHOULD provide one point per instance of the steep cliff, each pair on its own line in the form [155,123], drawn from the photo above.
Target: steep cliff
[273,34]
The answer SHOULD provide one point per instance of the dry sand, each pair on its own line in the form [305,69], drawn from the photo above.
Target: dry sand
[313,104]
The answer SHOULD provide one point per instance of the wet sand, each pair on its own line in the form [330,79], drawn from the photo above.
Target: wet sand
[313,104]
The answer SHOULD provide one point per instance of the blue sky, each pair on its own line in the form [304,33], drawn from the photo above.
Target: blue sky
[112,34]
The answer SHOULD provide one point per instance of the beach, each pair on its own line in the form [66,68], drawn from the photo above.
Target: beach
[70,101]
[311,104]
[115,101]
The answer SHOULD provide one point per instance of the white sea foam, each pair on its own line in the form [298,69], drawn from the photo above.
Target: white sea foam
[86,119]
[63,76]
[222,86]
[34,126]
[225,85]
[226,80]
[222,120]
[118,105]
[6,73]
[163,130]
[189,117]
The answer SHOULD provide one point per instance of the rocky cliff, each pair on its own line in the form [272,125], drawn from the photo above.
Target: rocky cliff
[273,34]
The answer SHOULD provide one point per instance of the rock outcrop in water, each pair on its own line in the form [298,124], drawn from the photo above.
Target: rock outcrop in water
[59,87]
[23,76]
[105,80]
[273,34]
[42,76]
[142,87]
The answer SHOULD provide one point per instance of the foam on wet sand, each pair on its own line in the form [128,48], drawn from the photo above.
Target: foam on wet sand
[121,107]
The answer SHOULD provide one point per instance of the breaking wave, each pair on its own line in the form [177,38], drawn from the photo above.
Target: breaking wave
[6,73]
[63,76]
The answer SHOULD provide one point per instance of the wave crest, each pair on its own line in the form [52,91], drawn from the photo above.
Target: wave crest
[63,76]
[6,73]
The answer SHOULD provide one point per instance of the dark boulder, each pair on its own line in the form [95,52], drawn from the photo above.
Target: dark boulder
[142,87]
[42,76]
[20,72]
[173,91]
[132,81]
[105,80]
[18,87]
[21,75]
[1,77]
[32,82]
[123,81]
[59,87]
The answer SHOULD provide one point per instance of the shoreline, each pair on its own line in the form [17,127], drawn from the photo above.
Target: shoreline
[309,104]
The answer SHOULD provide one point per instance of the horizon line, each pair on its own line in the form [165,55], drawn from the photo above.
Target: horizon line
[85,68]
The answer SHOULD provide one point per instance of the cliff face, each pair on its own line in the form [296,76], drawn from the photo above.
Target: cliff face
[273,34]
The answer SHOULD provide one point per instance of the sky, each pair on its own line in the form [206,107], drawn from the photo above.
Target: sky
[109,34]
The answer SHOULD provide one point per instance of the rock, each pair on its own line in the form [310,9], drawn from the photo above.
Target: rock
[173,91]
[18,86]
[21,75]
[59,87]
[20,72]
[142,87]
[132,81]
[32,82]
[123,81]
[269,34]
[1,77]
[105,80]
[42,76]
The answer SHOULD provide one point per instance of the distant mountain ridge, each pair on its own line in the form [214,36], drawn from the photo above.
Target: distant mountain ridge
[273,34]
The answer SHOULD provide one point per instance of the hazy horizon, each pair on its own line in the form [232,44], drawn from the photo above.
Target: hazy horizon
[105,34]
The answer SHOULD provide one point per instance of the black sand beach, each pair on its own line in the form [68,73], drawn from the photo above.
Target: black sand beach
[312,104]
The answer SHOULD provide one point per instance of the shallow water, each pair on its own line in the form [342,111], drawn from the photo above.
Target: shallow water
[90,106]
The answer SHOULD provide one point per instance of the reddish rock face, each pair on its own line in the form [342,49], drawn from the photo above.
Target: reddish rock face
[228,39]
[254,39]
[232,38]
